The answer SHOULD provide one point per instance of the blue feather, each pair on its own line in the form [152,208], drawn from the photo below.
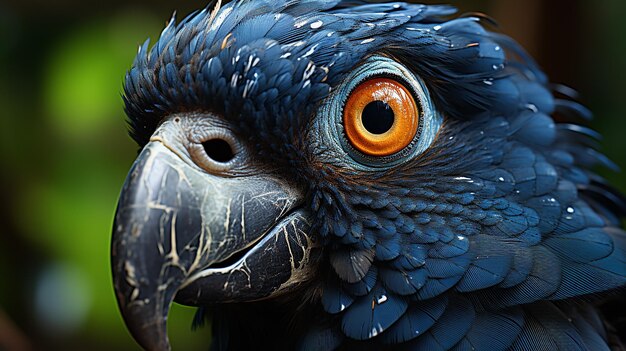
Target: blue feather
[493,330]
[542,281]
[416,321]
[334,299]
[450,328]
[548,328]
[403,282]
[484,272]
[599,275]
[371,315]
[412,256]
[363,286]
[583,246]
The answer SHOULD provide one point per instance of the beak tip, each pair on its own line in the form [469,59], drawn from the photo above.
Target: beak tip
[162,344]
[150,334]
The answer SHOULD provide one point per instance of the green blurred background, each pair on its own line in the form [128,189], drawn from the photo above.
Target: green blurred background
[65,151]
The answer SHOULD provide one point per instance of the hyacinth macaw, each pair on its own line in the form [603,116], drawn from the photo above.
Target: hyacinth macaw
[320,175]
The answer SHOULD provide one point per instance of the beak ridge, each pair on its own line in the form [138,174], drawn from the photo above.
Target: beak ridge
[146,265]
[173,221]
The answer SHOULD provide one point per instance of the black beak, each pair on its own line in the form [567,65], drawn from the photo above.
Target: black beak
[180,229]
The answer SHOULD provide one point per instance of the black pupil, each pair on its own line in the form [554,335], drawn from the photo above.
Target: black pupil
[377,117]
[219,150]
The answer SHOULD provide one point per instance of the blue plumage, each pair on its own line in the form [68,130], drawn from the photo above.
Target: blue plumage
[493,330]
[372,314]
[416,321]
[482,241]
[455,322]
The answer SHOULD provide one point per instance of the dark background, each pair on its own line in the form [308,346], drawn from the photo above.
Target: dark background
[65,153]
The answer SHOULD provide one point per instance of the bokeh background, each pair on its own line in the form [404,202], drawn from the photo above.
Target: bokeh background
[65,152]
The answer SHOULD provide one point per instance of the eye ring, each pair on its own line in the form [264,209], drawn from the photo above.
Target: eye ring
[377,132]
[328,127]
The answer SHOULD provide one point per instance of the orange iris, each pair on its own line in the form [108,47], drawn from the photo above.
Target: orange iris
[380,117]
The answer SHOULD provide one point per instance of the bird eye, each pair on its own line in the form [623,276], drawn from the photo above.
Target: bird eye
[380,117]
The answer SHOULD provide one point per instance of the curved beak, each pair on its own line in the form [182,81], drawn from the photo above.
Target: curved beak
[179,228]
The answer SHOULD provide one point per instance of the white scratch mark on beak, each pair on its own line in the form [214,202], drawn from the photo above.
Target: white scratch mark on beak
[227,222]
[291,260]
[173,255]
[243,219]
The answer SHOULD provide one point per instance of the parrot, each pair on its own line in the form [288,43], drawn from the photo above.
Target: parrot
[345,175]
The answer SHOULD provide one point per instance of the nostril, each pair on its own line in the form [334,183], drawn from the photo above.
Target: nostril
[218,150]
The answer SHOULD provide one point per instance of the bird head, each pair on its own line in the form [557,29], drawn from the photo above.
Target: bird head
[379,162]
